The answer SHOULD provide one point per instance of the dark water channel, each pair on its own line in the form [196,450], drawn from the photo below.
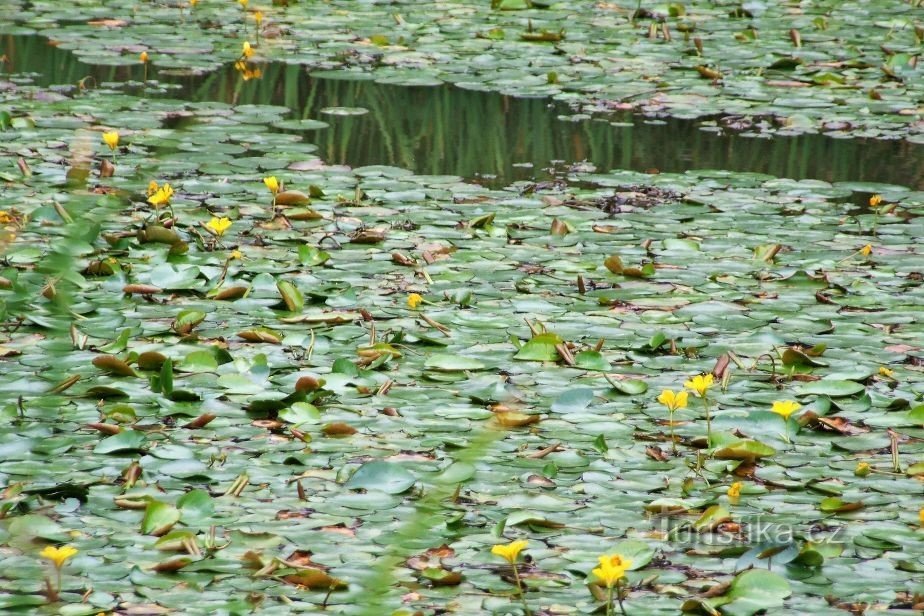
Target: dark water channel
[448,130]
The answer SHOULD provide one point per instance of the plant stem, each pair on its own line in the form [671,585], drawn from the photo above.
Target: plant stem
[708,422]
[670,418]
[516,576]
[609,600]
[622,608]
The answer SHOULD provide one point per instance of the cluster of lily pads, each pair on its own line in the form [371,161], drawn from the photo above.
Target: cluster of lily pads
[845,68]
[350,393]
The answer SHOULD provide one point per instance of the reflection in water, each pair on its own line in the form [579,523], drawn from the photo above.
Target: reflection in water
[447,130]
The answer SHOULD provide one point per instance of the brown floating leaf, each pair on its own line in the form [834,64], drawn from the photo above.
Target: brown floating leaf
[231,293]
[106,169]
[515,419]
[201,421]
[292,197]
[63,385]
[559,228]
[314,579]
[841,425]
[303,214]
[721,366]
[169,566]
[338,429]
[158,235]
[614,264]
[113,365]
[260,335]
[141,289]
[401,259]
[307,383]
[105,428]
[151,360]
[368,236]
[708,73]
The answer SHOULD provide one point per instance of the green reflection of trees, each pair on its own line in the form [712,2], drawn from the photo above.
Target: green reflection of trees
[447,130]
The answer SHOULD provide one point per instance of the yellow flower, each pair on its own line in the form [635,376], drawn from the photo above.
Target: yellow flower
[218,226]
[236,254]
[866,250]
[785,407]
[152,188]
[161,196]
[734,492]
[700,384]
[511,551]
[612,568]
[5,217]
[247,50]
[58,556]
[243,3]
[193,2]
[883,371]
[272,183]
[414,300]
[258,17]
[673,400]
[111,138]
[862,470]
[921,516]
[875,200]
[143,57]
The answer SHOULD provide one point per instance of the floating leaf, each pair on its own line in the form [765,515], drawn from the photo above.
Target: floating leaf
[383,476]
[126,440]
[447,362]
[159,518]
[113,365]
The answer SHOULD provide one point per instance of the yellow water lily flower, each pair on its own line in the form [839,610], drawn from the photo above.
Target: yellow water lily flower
[161,196]
[700,384]
[673,400]
[247,50]
[785,407]
[236,254]
[612,568]
[243,3]
[414,300]
[863,469]
[258,17]
[511,551]
[143,56]
[59,556]
[111,138]
[875,200]
[866,250]
[272,183]
[734,491]
[883,371]
[249,74]
[218,226]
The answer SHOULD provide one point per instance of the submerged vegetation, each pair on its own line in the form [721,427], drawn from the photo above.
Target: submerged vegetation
[241,377]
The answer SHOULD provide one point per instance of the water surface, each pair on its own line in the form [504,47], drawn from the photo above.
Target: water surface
[448,130]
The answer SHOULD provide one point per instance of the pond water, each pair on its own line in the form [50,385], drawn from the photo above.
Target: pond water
[499,139]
